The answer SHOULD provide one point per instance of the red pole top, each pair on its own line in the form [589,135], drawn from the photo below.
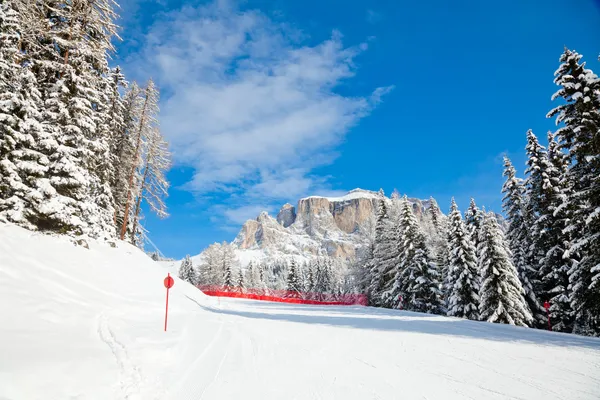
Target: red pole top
[169,282]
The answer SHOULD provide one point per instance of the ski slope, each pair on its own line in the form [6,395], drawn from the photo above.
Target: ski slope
[88,324]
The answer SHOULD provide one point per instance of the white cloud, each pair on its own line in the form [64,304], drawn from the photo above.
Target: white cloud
[246,105]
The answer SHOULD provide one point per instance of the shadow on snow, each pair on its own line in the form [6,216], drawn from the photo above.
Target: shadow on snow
[370,318]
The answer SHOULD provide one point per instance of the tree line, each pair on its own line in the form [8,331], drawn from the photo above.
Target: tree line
[220,267]
[471,267]
[80,147]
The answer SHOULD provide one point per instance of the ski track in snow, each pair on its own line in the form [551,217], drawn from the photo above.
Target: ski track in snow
[88,324]
[130,378]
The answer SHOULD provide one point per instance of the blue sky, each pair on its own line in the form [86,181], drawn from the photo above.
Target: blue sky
[267,101]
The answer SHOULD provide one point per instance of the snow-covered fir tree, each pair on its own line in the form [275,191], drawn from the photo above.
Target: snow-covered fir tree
[519,239]
[252,278]
[293,279]
[555,263]
[65,121]
[473,222]
[501,294]
[463,279]
[384,253]
[187,272]
[240,281]
[22,164]
[579,137]
[416,277]
[435,228]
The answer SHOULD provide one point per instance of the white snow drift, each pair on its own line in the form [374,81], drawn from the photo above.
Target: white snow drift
[88,324]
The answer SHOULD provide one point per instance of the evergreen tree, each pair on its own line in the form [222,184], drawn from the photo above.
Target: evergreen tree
[293,279]
[228,264]
[416,278]
[310,278]
[252,278]
[22,164]
[473,222]
[555,264]
[436,231]
[384,253]
[463,279]
[519,239]
[501,293]
[579,137]
[241,284]
[187,272]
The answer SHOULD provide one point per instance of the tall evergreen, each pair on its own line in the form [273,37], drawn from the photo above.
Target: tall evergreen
[579,137]
[473,222]
[463,300]
[555,263]
[416,278]
[501,293]
[240,281]
[23,165]
[384,253]
[519,238]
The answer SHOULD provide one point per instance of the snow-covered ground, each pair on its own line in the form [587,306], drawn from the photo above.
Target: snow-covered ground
[88,324]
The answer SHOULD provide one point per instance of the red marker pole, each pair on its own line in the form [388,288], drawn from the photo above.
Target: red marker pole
[547,307]
[169,282]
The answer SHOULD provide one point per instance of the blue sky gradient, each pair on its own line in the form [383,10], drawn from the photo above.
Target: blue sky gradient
[423,97]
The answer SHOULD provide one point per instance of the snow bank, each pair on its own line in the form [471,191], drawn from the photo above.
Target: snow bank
[88,324]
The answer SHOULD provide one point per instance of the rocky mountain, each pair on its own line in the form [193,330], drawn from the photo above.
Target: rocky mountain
[339,227]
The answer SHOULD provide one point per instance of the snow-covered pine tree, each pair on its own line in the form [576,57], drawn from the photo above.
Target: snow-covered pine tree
[555,264]
[240,282]
[228,265]
[375,287]
[187,272]
[384,253]
[293,279]
[519,238]
[360,270]
[251,278]
[310,277]
[501,294]
[463,280]
[22,166]
[436,230]
[473,221]
[416,277]
[579,137]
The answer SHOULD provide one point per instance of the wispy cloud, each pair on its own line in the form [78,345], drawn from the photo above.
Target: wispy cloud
[373,17]
[247,105]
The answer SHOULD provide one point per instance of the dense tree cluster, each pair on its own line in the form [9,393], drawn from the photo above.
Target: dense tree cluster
[80,147]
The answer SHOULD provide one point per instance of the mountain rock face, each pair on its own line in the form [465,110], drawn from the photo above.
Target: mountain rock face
[339,227]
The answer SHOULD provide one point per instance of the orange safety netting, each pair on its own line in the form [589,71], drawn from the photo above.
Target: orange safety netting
[286,296]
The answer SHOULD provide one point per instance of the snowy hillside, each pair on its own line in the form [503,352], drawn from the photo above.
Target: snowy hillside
[88,324]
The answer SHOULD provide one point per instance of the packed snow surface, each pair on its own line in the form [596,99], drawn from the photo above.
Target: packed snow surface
[88,324]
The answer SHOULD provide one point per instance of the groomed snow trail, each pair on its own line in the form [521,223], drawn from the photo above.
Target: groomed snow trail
[88,324]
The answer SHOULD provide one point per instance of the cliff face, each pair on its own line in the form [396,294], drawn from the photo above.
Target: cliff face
[339,227]
[335,226]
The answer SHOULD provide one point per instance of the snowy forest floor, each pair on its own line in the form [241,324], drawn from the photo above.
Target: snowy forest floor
[88,324]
